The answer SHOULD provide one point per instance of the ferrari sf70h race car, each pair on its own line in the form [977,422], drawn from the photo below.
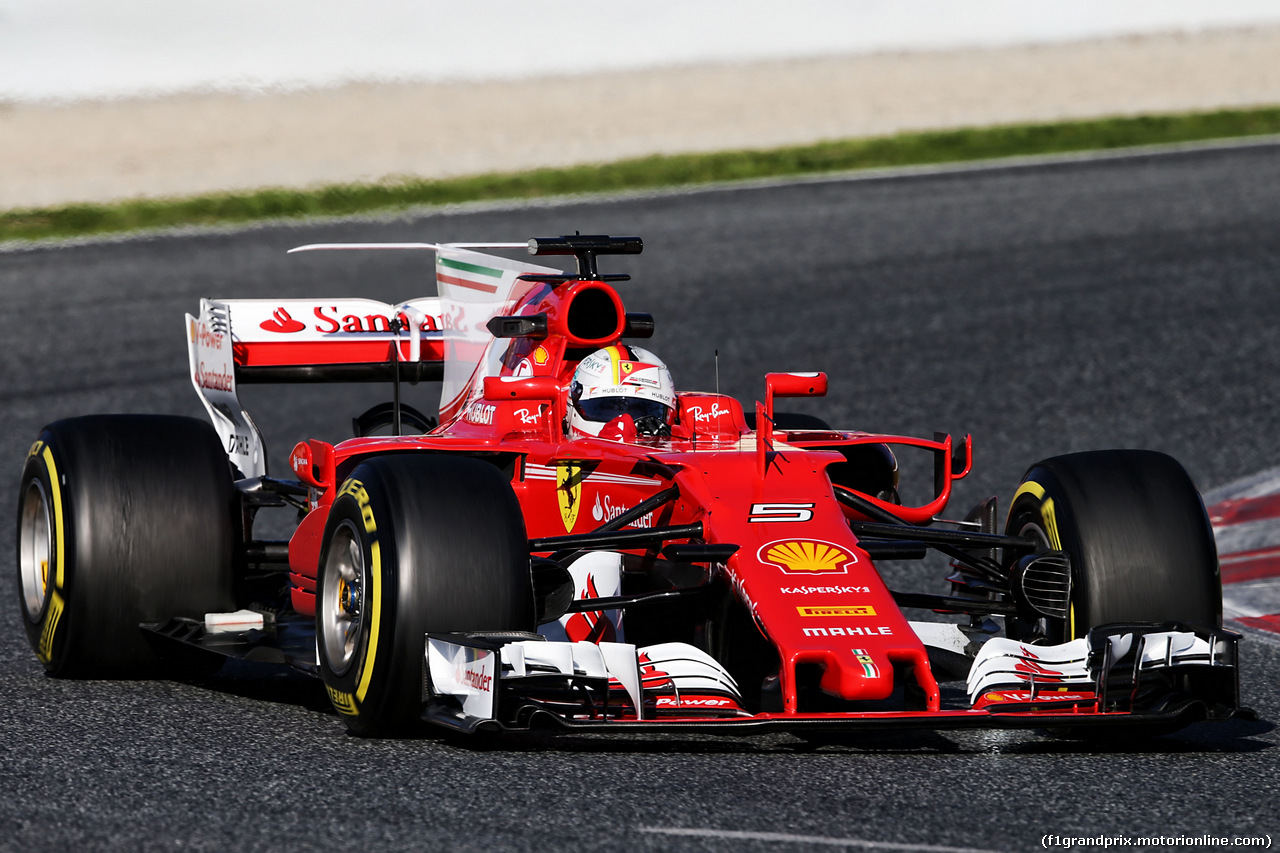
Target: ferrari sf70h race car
[570,544]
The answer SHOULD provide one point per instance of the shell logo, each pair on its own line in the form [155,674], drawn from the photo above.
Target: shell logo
[805,556]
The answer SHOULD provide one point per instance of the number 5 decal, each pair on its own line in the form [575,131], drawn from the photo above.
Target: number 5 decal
[780,512]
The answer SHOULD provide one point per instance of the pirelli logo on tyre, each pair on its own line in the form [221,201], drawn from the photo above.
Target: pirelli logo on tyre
[807,556]
[860,610]
[356,489]
[50,628]
[343,703]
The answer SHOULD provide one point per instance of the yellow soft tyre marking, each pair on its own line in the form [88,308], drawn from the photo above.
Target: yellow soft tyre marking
[375,612]
[56,486]
[55,604]
[345,703]
[1051,523]
[1030,487]
[51,619]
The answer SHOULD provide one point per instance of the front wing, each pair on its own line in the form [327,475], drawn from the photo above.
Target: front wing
[1152,675]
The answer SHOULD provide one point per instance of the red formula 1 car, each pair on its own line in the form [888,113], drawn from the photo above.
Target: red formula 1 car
[574,544]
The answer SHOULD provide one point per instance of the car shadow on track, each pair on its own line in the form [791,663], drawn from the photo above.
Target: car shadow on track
[1235,736]
[269,683]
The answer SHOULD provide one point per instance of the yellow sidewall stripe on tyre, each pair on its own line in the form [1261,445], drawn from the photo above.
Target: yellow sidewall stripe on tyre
[375,613]
[343,701]
[1031,487]
[57,513]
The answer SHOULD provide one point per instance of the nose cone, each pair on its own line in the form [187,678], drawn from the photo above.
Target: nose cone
[854,673]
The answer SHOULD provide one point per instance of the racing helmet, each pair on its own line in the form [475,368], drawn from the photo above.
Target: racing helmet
[621,380]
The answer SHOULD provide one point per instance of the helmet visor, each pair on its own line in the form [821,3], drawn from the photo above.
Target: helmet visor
[604,409]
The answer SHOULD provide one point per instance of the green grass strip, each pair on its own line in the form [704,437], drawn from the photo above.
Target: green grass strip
[907,149]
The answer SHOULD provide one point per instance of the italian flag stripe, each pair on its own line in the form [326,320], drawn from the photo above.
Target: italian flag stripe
[463,266]
[467,283]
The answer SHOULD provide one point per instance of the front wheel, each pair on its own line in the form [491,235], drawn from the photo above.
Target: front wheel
[414,544]
[1136,532]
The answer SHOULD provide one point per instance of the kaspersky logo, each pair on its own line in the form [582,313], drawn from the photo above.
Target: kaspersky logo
[806,556]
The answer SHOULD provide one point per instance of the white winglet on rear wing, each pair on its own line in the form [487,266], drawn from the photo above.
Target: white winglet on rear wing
[241,341]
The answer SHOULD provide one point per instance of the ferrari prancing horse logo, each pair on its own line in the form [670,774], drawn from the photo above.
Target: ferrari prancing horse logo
[569,492]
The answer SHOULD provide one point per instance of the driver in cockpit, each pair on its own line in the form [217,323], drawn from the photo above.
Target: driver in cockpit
[620,392]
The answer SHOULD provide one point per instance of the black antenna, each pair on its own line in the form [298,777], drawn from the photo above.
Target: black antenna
[396,325]
[717,373]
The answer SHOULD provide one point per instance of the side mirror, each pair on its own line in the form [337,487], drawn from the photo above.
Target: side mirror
[790,385]
[313,462]
[782,385]
[794,385]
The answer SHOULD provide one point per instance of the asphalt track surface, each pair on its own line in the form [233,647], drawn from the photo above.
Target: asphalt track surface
[1045,309]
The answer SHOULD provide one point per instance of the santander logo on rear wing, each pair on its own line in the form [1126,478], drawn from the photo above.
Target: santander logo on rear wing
[312,333]
[237,341]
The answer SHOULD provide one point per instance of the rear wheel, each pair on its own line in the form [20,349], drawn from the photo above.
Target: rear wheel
[1136,532]
[414,543]
[122,519]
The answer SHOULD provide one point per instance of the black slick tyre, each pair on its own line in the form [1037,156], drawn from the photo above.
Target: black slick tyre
[122,519]
[1137,535]
[414,543]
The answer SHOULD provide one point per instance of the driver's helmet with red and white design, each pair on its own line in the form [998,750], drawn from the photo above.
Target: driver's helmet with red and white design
[616,381]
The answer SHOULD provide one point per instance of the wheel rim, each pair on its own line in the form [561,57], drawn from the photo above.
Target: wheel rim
[1035,531]
[35,549]
[342,599]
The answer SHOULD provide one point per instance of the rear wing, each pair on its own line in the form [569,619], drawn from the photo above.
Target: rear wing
[246,341]
[326,340]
